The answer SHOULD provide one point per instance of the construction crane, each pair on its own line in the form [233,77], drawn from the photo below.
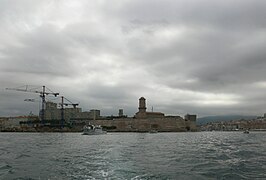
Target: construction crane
[43,92]
[62,108]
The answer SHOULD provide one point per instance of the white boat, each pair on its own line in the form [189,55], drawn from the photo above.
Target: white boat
[246,131]
[152,131]
[93,130]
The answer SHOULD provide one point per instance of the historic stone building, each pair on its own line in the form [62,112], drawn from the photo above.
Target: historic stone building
[144,121]
[143,114]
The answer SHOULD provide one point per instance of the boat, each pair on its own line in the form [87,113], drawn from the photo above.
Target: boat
[246,132]
[93,130]
[152,131]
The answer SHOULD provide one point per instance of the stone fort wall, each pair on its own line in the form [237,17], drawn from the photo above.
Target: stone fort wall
[166,124]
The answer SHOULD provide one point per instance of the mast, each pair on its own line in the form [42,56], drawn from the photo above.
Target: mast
[62,112]
[42,95]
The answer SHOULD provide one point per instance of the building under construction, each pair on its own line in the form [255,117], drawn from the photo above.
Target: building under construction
[51,112]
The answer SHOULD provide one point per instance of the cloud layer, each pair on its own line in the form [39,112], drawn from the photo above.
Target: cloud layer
[197,56]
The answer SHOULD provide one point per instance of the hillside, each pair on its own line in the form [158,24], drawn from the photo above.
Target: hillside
[207,119]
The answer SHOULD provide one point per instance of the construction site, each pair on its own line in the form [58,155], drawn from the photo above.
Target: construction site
[66,116]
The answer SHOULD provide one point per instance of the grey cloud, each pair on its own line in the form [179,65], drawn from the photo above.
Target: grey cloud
[217,14]
[157,49]
[41,52]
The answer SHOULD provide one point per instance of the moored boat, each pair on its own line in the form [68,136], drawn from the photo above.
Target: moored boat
[246,131]
[93,130]
[152,131]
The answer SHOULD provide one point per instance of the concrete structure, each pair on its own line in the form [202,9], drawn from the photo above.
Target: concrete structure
[121,113]
[94,114]
[3,121]
[189,117]
[15,122]
[51,112]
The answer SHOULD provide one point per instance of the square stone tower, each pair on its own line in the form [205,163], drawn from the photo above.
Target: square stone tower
[142,108]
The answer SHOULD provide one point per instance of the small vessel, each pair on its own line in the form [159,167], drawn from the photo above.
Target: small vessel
[93,130]
[246,131]
[152,131]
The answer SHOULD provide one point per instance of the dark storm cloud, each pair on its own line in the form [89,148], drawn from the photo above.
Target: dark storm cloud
[196,56]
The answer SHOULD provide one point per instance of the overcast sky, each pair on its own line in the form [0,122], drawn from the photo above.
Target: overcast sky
[202,57]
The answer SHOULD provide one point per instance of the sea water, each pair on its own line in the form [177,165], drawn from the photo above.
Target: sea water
[199,155]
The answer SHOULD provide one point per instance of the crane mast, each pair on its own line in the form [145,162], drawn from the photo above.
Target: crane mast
[42,95]
[62,108]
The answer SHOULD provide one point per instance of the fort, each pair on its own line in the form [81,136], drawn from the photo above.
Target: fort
[144,121]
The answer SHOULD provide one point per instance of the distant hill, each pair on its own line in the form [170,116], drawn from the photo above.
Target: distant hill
[207,119]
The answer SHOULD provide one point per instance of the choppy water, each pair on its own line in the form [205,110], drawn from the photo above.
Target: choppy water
[201,155]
